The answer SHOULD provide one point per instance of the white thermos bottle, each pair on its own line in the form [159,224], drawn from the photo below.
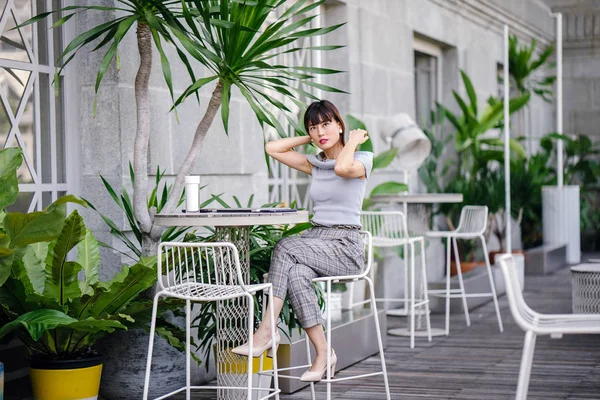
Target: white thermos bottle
[192,189]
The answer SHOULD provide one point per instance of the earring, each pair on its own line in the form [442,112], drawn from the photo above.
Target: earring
[341,131]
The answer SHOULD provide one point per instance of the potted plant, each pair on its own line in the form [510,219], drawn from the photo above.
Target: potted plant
[58,316]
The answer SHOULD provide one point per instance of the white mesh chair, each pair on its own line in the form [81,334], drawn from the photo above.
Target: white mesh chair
[535,324]
[328,282]
[472,225]
[205,272]
[389,229]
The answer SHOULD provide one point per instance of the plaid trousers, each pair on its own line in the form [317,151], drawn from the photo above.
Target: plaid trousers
[320,251]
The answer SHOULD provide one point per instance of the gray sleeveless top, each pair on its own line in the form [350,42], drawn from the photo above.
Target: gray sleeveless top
[337,200]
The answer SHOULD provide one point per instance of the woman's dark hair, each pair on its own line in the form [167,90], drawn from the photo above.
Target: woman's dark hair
[321,111]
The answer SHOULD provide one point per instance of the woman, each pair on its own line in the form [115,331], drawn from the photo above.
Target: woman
[333,246]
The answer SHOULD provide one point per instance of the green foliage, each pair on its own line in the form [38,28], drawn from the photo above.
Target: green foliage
[434,171]
[10,160]
[475,149]
[155,203]
[530,74]
[231,40]
[581,167]
[42,299]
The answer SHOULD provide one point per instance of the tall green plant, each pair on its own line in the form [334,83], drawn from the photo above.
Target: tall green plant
[475,149]
[526,182]
[155,203]
[157,23]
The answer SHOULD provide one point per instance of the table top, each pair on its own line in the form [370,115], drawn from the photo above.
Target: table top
[231,219]
[594,268]
[419,198]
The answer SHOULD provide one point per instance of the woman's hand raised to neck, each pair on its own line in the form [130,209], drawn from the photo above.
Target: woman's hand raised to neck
[345,165]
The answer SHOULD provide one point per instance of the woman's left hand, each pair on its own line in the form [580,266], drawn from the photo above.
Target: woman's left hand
[359,136]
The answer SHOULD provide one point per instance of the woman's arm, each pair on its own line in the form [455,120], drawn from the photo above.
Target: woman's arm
[281,150]
[345,164]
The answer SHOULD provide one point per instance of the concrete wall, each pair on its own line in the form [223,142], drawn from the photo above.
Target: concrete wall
[379,54]
[581,35]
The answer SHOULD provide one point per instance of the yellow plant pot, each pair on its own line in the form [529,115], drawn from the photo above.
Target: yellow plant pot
[241,366]
[66,380]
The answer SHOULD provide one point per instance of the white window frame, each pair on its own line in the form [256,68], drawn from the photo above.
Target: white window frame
[32,92]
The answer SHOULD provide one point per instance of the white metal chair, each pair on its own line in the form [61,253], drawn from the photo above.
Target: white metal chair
[472,225]
[535,324]
[205,272]
[328,280]
[389,229]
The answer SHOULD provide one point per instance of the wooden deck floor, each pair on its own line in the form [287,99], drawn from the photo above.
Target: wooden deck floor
[479,362]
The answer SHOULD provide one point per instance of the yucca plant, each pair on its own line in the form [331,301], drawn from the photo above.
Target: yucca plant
[155,203]
[235,43]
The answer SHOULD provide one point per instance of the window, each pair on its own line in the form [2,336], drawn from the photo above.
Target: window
[31,111]
[427,57]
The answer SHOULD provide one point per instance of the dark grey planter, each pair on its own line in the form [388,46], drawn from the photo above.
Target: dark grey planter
[125,365]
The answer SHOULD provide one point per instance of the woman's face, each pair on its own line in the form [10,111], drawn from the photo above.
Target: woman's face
[325,134]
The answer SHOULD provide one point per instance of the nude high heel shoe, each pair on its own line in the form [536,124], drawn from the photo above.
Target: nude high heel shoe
[257,351]
[317,376]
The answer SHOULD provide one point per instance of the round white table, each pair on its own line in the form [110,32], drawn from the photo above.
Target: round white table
[417,208]
[233,227]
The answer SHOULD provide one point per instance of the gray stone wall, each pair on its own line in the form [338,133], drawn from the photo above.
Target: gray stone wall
[581,85]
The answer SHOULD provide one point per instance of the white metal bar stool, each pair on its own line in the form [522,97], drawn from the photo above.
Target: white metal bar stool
[534,323]
[389,229]
[328,280]
[472,225]
[205,272]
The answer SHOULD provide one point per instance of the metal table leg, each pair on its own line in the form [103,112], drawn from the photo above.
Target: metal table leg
[232,319]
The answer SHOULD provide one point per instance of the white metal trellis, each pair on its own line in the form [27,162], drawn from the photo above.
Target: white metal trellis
[28,105]
[285,184]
